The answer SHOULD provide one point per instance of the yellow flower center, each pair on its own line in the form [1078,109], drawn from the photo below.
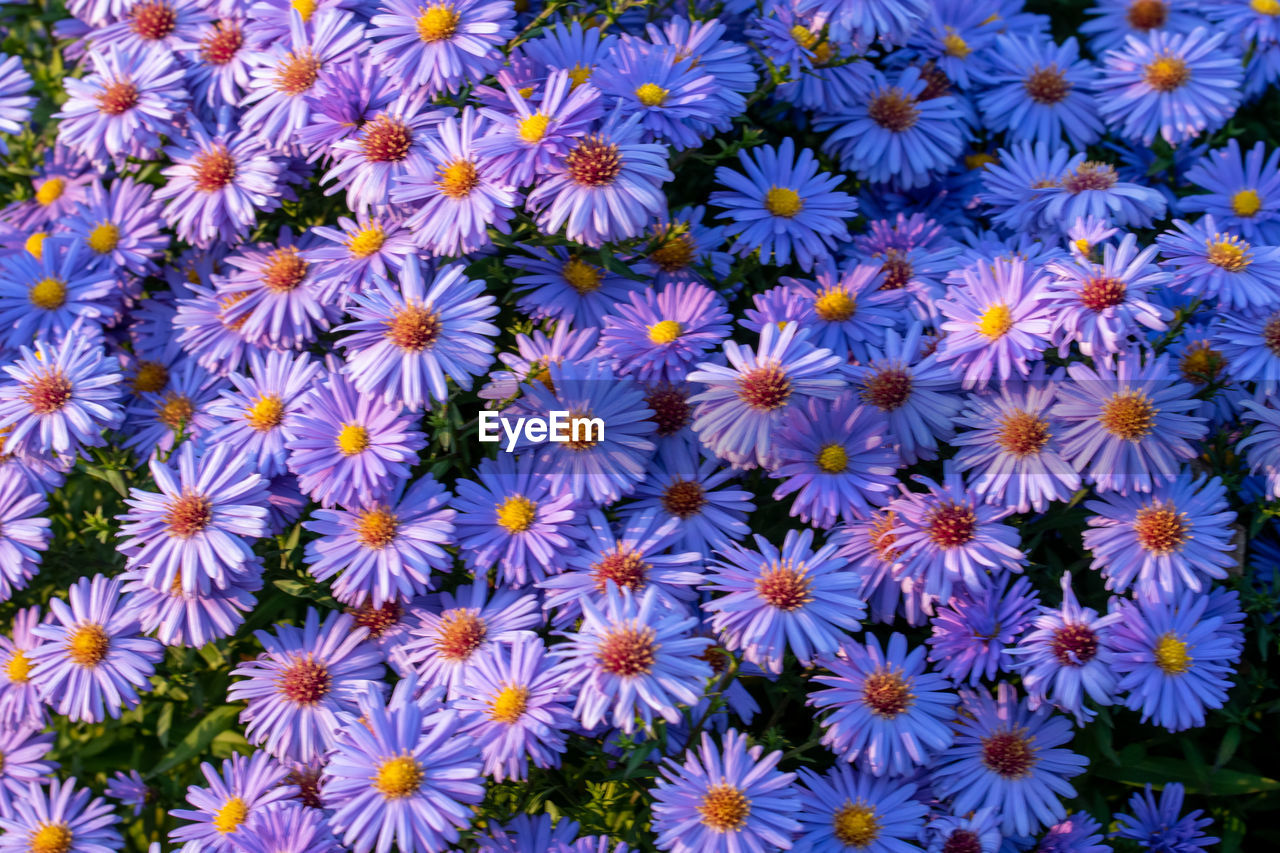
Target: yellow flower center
[533,128]
[582,276]
[365,242]
[458,179]
[724,808]
[104,238]
[306,8]
[151,376]
[398,778]
[353,439]
[437,23]
[979,160]
[804,37]
[1171,654]
[855,825]
[35,244]
[579,74]
[50,191]
[1270,8]
[1129,416]
[955,46]
[665,331]
[835,305]
[1230,253]
[265,414]
[833,458]
[18,669]
[51,838]
[377,528]
[1246,203]
[1167,74]
[230,816]
[88,645]
[516,514]
[49,294]
[783,201]
[508,706]
[652,95]
[997,320]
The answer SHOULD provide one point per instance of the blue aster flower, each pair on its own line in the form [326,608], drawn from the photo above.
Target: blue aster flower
[978,831]
[129,790]
[632,657]
[121,226]
[1160,826]
[157,420]
[178,618]
[561,285]
[1079,833]
[236,793]
[1242,191]
[845,309]
[255,415]
[1092,188]
[774,600]
[92,662]
[974,631]
[43,297]
[1115,21]
[1250,345]
[659,335]
[24,749]
[1211,264]
[678,100]
[359,250]
[406,339]
[218,57]
[16,99]
[1039,91]
[286,828]
[305,676]
[693,488]
[443,45]
[572,47]
[59,817]
[784,206]
[1174,660]
[1008,758]
[845,808]
[1017,187]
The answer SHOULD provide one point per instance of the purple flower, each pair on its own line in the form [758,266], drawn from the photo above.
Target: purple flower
[661,334]
[974,631]
[59,817]
[441,46]
[246,786]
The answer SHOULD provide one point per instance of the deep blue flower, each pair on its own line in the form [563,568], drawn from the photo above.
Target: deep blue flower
[846,809]
[1160,826]
[1039,91]
[974,631]
[1242,190]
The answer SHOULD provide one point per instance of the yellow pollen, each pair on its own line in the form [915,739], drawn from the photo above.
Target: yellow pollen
[1171,654]
[51,838]
[230,816]
[1129,416]
[1167,73]
[306,8]
[437,23]
[398,778]
[652,95]
[353,439]
[49,294]
[35,245]
[18,670]
[581,276]
[526,92]
[724,808]
[533,128]
[804,37]
[377,528]
[458,179]
[954,45]
[995,321]
[151,376]
[365,242]
[783,201]
[50,191]
[1230,253]
[509,704]
[1083,247]
[665,331]
[979,160]
[855,825]
[517,513]
[265,414]
[1270,8]
[835,305]
[579,74]
[89,645]
[1246,203]
[104,238]
[833,458]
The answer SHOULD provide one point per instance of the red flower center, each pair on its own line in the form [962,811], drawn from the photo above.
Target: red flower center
[671,410]
[153,20]
[48,392]
[962,841]
[461,632]
[624,567]
[1074,645]
[1271,334]
[887,389]
[1147,14]
[1009,754]
[305,681]
[221,44]
[765,388]
[1101,292]
[627,652]
[377,619]
[594,162]
[1090,176]
[386,140]
[897,270]
[952,525]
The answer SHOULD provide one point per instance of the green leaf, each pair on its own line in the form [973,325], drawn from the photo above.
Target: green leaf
[1160,771]
[198,739]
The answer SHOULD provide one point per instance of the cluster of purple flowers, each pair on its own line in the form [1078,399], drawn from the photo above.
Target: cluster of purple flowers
[841,409]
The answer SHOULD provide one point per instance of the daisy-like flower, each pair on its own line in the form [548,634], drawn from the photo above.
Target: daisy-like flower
[998,321]
[979,832]
[159,25]
[1250,344]
[217,185]
[776,600]
[391,144]
[1091,188]
[178,618]
[572,47]
[304,678]
[632,657]
[608,186]
[24,749]
[686,485]
[1018,185]
[837,460]
[1262,446]
[562,286]
[948,534]
[122,108]
[511,517]
[725,797]
[890,132]
[630,557]
[597,465]
[1163,543]
[359,250]
[1010,448]
[400,775]
[783,206]
[129,790]
[844,309]
[515,706]
[1242,191]
[255,417]
[218,57]
[20,701]
[1008,758]
[442,45]
[1158,824]
[276,104]
[527,135]
[675,97]
[1116,20]
[525,833]
[22,534]
[1174,660]
[1068,656]
[121,226]
[846,809]
[454,628]
[911,390]
[888,713]
[245,787]
[660,335]
[1170,85]
[385,551]
[157,420]
[346,447]
[197,529]
[683,249]
[286,828]
[973,631]
[59,817]
[274,296]
[1039,91]
[406,339]
[1128,428]
[16,99]
[1100,306]
[1079,833]
[1212,264]
[60,397]
[44,296]
[92,661]
[744,403]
